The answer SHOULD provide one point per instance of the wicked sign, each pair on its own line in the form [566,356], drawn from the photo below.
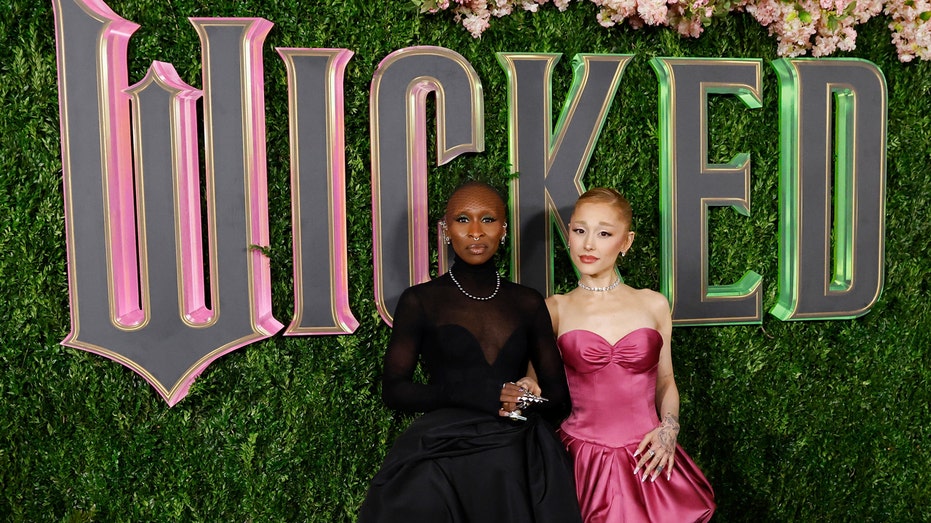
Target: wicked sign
[135,230]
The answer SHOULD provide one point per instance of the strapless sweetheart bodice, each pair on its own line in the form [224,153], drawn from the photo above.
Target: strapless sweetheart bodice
[612,385]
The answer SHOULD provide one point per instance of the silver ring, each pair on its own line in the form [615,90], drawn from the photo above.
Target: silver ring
[659,468]
[652,453]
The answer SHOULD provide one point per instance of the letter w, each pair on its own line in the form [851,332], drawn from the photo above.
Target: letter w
[132,197]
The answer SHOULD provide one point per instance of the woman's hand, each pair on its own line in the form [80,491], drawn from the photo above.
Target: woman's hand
[659,450]
[530,385]
[511,394]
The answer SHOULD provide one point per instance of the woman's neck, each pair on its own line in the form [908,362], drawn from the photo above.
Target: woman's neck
[462,267]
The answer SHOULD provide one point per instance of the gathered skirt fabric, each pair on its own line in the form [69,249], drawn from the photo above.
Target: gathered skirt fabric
[459,466]
[609,492]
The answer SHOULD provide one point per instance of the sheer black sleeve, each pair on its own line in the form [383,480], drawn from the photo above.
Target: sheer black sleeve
[547,362]
[398,388]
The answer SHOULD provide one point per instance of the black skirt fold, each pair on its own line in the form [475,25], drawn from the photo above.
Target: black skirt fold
[463,466]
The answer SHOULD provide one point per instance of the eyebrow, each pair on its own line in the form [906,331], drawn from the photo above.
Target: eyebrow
[479,213]
[583,222]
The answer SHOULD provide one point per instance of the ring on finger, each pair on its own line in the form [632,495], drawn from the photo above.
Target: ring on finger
[652,453]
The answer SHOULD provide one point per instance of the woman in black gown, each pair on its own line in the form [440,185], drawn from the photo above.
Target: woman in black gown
[465,460]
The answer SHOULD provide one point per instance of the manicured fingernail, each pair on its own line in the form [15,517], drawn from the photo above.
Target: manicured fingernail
[636,470]
[643,478]
[637,453]
[669,476]
[653,478]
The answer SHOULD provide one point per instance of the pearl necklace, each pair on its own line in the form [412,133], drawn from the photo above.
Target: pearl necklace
[479,298]
[600,289]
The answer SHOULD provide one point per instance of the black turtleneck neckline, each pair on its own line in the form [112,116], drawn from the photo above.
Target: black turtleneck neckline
[461,267]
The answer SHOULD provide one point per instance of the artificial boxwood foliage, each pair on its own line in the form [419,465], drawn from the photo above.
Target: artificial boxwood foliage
[791,421]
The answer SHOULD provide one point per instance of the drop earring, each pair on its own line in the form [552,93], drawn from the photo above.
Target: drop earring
[505,235]
[445,236]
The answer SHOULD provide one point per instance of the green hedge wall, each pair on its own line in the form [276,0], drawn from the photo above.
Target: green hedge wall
[791,421]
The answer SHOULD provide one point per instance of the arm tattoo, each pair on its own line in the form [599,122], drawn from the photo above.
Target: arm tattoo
[669,430]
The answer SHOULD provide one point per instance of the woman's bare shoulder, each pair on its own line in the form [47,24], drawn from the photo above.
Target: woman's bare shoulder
[560,299]
[558,302]
[651,299]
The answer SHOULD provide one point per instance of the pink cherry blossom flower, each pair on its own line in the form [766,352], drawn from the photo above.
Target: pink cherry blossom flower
[530,5]
[653,12]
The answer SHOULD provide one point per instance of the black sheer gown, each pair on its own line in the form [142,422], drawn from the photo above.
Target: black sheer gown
[461,461]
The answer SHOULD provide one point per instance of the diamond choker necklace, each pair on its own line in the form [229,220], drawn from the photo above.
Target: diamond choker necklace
[479,298]
[594,289]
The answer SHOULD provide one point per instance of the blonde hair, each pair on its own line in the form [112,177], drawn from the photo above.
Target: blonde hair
[611,197]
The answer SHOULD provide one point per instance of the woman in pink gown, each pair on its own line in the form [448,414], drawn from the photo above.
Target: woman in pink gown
[614,341]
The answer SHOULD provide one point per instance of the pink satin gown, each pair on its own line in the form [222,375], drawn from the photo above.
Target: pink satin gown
[613,390]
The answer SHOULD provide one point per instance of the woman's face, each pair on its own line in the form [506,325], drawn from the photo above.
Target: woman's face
[597,235]
[475,223]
